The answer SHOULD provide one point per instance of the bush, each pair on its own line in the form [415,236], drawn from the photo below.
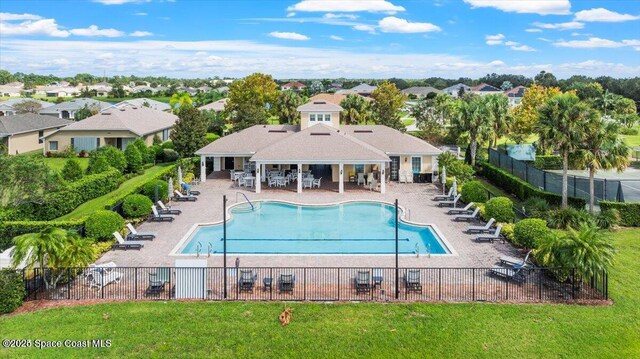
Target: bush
[462,171]
[167,145]
[72,170]
[629,212]
[169,155]
[507,231]
[114,157]
[474,191]
[149,190]
[212,137]
[565,218]
[500,208]
[629,131]
[527,232]
[12,290]
[11,229]
[536,207]
[102,223]
[134,159]
[136,206]
[99,165]
[548,162]
[145,152]
[115,200]
[607,219]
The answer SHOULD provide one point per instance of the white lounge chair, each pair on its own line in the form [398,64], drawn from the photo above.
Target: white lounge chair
[517,262]
[491,237]
[451,202]
[162,209]
[182,198]
[122,244]
[442,197]
[468,217]
[465,210]
[104,279]
[481,229]
[135,235]
[156,217]
[98,269]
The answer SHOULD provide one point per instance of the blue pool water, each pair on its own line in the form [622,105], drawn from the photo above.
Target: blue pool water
[350,228]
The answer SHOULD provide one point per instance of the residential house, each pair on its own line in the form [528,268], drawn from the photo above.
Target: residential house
[485,89]
[363,90]
[223,89]
[68,109]
[188,90]
[455,89]
[420,91]
[144,102]
[515,95]
[25,132]
[114,126]
[7,107]
[102,89]
[57,90]
[216,106]
[294,85]
[12,89]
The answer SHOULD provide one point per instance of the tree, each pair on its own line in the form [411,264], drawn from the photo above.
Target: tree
[628,121]
[189,133]
[498,107]
[623,106]
[25,179]
[27,106]
[113,156]
[99,165]
[6,77]
[134,159]
[146,153]
[473,120]
[387,102]
[355,110]
[179,100]
[526,114]
[53,249]
[215,122]
[287,107]
[506,86]
[316,87]
[117,91]
[587,91]
[601,149]
[546,79]
[72,170]
[429,122]
[85,112]
[251,100]
[561,124]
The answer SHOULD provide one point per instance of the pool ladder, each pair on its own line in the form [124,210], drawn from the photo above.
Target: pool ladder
[247,198]
[198,249]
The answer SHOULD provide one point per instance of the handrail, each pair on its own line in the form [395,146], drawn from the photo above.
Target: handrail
[247,198]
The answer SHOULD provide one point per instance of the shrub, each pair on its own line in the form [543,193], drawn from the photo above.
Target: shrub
[462,171]
[72,170]
[167,145]
[136,205]
[12,290]
[507,231]
[212,137]
[11,229]
[102,223]
[527,232]
[169,155]
[536,207]
[134,159]
[607,219]
[156,140]
[629,131]
[500,208]
[565,218]
[99,165]
[149,190]
[145,152]
[548,162]
[114,157]
[474,191]
[115,200]
[629,212]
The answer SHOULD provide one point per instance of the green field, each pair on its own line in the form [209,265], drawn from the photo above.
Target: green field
[633,140]
[56,164]
[98,203]
[246,330]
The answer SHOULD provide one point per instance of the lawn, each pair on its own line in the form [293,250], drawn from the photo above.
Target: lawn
[245,330]
[633,140]
[56,164]
[98,203]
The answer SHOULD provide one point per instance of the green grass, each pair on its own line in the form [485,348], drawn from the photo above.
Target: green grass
[87,208]
[634,140]
[56,164]
[498,191]
[247,330]
[408,122]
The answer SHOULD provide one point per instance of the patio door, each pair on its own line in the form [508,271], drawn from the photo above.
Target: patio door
[395,168]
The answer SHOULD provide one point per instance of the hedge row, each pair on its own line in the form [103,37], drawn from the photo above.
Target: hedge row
[552,162]
[115,201]
[629,212]
[522,189]
[59,203]
[10,229]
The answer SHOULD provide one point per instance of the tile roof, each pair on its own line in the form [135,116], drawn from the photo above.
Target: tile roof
[139,102]
[8,104]
[215,106]
[28,122]
[485,88]
[516,91]
[319,106]
[420,90]
[249,140]
[75,104]
[389,140]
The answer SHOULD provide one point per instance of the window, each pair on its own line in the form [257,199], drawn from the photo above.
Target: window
[327,117]
[53,145]
[85,143]
[359,168]
[312,117]
[40,134]
[165,135]
[416,164]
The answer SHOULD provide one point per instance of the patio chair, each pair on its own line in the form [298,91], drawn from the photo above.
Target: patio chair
[465,210]
[271,181]
[409,177]
[517,274]
[280,182]
[378,277]
[247,280]
[412,280]
[491,237]
[135,235]
[362,282]
[187,190]
[403,177]
[374,185]
[157,281]
[369,178]
[517,262]
[286,283]
[316,183]
[179,197]
[481,229]
[307,182]
[98,269]
[468,217]
[162,209]
[122,244]
[103,280]
[451,202]
[442,197]
[361,178]
[233,175]
[156,217]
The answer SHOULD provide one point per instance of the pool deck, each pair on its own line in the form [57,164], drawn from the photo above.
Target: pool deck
[416,198]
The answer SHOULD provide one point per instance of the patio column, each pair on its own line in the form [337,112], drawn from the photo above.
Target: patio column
[383,174]
[263,175]
[299,177]
[340,178]
[258,179]
[203,168]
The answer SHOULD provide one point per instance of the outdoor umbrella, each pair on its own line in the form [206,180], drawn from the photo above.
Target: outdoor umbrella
[179,175]
[170,190]
[444,179]
[455,187]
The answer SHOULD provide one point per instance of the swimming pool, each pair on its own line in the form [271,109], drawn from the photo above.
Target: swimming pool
[283,228]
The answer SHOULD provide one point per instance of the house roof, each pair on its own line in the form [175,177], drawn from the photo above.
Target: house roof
[320,143]
[420,90]
[485,88]
[456,87]
[11,125]
[389,140]
[249,140]
[319,106]
[8,104]
[214,106]
[75,104]
[139,102]
[333,98]
[516,91]
[294,84]
[138,120]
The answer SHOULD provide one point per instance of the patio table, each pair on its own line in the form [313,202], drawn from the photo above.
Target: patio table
[249,180]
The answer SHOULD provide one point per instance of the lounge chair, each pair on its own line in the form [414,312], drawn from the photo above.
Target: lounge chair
[378,277]
[468,217]
[98,269]
[286,282]
[412,280]
[156,217]
[481,229]
[162,209]
[452,202]
[182,198]
[187,190]
[362,282]
[517,262]
[442,197]
[157,281]
[122,244]
[106,278]
[135,235]
[517,275]
[466,210]
[247,280]
[491,237]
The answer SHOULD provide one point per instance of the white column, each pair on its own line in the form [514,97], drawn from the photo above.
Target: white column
[203,168]
[434,167]
[263,173]
[383,174]
[299,177]
[341,178]
[258,179]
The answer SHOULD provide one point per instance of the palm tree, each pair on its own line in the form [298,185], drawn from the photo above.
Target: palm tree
[474,120]
[287,107]
[179,100]
[498,106]
[602,149]
[355,110]
[561,123]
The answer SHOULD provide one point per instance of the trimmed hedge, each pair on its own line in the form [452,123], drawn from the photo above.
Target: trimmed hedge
[552,162]
[114,202]
[101,224]
[500,208]
[12,290]
[522,189]
[527,232]
[136,206]
[149,189]
[629,212]
[474,191]
[10,229]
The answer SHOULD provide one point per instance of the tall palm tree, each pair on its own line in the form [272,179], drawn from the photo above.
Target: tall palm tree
[355,109]
[287,107]
[474,120]
[179,100]
[602,149]
[561,123]
[498,106]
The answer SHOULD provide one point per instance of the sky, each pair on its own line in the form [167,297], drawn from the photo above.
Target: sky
[321,38]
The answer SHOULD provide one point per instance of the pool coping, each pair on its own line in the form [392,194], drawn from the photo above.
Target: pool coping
[452,252]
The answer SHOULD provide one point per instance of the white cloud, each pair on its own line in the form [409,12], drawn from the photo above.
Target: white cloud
[141,33]
[523,48]
[368,28]
[544,39]
[119,2]
[291,14]
[498,39]
[93,30]
[533,30]
[571,25]
[494,39]
[140,14]
[337,38]
[397,25]
[340,16]
[6,16]
[46,27]
[603,15]
[289,35]
[541,7]
[382,6]
[596,42]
